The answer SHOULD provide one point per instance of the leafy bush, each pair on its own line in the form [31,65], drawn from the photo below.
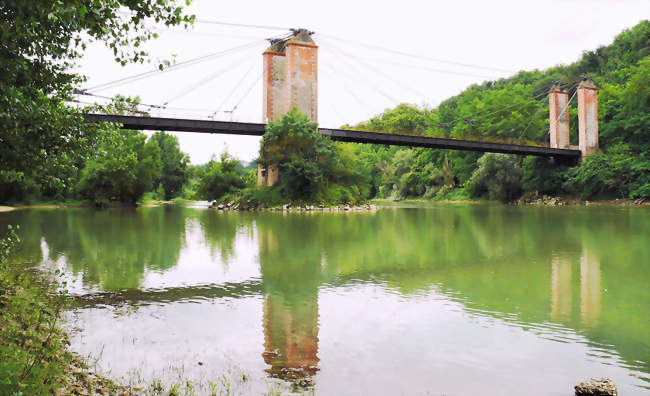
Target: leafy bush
[311,167]
[123,169]
[602,174]
[306,160]
[174,165]
[498,177]
[542,175]
[218,178]
[640,176]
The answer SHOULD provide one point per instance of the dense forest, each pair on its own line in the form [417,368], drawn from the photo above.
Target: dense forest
[516,110]
[48,153]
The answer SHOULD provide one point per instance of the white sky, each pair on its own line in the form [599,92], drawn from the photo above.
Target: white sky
[356,83]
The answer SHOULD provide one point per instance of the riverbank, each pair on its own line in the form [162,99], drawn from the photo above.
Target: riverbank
[536,201]
[233,206]
[371,205]
[84,204]
[36,359]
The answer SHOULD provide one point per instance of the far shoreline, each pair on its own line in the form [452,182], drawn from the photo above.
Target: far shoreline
[379,202]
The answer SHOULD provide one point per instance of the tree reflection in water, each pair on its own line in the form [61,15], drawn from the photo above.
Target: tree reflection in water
[527,266]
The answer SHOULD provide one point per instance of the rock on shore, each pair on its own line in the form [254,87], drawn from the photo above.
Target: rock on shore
[597,387]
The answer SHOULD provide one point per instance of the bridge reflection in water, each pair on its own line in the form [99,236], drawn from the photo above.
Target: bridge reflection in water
[291,338]
[562,301]
[290,310]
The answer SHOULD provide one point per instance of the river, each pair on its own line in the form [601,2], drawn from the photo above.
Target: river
[413,300]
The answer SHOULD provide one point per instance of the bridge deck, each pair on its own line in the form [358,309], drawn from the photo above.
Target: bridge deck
[254,129]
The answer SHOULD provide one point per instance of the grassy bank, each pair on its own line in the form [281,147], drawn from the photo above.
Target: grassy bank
[460,195]
[33,346]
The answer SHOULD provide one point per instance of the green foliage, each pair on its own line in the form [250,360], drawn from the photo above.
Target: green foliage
[123,169]
[498,177]
[447,193]
[515,110]
[174,165]
[43,142]
[640,176]
[7,244]
[603,174]
[306,160]
[255,197]
[218,178]
[541,175]
[405,119]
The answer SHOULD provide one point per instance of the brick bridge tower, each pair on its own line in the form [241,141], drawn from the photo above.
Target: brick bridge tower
[290,80]
[558,101]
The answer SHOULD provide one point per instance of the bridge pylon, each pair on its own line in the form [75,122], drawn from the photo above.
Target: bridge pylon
[290,80]
[587,117]
[558,103]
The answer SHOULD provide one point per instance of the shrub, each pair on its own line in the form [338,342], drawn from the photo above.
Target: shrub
[218,178]
[602,174]
[542,175]
[123,169]
[497,177]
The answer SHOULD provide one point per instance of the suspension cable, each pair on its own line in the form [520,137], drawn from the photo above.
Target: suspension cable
[150,106]
[232,92]
[407,54]
[173,67]
[204,80]
[374,69]
[241,25]
[567,105]
[345,88]
[428,68]
[361,77]
[248,91]
[532,118]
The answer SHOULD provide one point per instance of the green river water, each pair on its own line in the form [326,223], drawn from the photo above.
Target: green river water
[426,299]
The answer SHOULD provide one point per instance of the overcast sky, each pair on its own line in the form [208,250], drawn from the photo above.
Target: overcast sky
[360,73]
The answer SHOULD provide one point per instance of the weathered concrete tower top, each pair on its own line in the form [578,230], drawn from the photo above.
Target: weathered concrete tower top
[291,76]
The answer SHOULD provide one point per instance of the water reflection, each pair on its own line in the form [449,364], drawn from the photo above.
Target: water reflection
[588,275]
[290,273]
[290,338]
[590,289]
[561,299]
[547,270]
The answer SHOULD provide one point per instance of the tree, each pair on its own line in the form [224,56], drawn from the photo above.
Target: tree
[541,175]
[43,142]
[602,174]
[123,169]
[306,160]
[498,176]
[174,165]
[218,178]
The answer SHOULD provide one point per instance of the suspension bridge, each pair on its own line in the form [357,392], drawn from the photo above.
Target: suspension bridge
[290,79]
